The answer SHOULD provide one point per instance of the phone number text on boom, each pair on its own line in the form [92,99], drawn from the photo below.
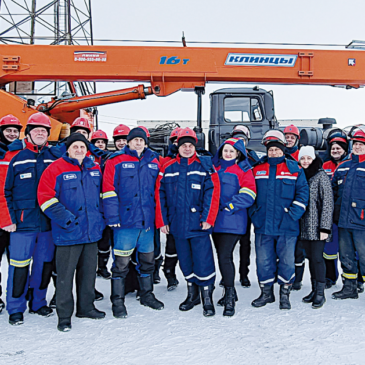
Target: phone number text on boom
[90,59]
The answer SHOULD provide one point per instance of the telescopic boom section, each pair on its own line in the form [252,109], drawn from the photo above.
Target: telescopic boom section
[169,69]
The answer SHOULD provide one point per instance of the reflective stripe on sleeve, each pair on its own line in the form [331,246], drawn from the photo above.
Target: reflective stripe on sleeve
[109,194]
[248,191]
[330,257]
[23,162]
[300,204]
[17,263]
[48,203]
[201,173]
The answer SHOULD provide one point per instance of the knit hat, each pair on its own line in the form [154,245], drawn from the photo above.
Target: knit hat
[275,144]
[137,133]
[343,145]
[76,137]
[186,139]
[307,151]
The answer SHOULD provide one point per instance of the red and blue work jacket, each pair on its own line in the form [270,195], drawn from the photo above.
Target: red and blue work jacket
[128,188]
[348,184]
[187,194]
[23,173]
[238,191]
[282,197]
[70,195]
[330,166]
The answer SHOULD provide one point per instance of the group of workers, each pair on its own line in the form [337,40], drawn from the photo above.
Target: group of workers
[64,208]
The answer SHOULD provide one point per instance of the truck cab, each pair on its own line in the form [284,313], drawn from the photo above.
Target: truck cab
[252,107]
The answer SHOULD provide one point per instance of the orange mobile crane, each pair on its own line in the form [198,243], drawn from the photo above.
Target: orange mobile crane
[165,69]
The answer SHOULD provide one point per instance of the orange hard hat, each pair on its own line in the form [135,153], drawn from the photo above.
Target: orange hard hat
[10,121]
[82,123]
[187,132]
[39,119]
[121,130]
[292,129]
[174,133]
[99,135]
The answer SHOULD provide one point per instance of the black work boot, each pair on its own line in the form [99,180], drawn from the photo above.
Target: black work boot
[43,311]
[147,298]
[102,271]
[230,302]
[156,273]
[192,299]
[267,296]
[319,298]
[172,282]
[309,298]
[93,314]
[64,324]
[299,271]
[297,285]
[245,281]
[16,319]
[98,296]
[284,297]
[207,299]
[360,288]
[348,291]
[221,301]
[117,298]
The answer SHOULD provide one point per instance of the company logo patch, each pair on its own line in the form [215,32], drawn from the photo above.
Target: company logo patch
[285,173]
[26,176]
[153,166]
[128,166]
[69,176]
[92,158]
[268,60]
[261,172]
[328,170]
[195,186]
[94,173]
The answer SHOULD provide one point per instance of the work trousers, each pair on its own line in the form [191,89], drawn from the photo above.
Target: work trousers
[4,244]
[80,259]
[270,249]
[314,254]
[25,246]
[245,251]
[225,244]
[196,259]
[170,256]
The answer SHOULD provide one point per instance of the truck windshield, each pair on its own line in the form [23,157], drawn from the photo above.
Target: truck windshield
[242,109]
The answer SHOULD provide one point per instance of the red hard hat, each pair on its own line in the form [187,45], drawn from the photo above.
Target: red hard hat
[358,136]
[292,129]
[175,133]
[187,132]
[10,121]
[81,122]
[39,119]
[99,135]
[146,130]
[121,130]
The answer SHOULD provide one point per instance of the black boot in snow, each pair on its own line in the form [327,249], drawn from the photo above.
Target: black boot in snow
[245,281]
[284,297]
[221,301]
[147,298]
[64,324]
[102,271]
[329,283]
[349,290]
[192,299]
[43,311]
[156,273]
[16,319]
[319,299]
[230,302]
[360,287]
[172,282]
[267,296]
[297,285]
[98,296]
[309,298]
[207,299]
[117,298]
[2,305]
[93,314]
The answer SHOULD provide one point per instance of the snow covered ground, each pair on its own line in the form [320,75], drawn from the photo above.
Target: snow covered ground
[334,334]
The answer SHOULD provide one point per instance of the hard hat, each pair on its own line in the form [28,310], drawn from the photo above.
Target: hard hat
[187,132]
[241,129]
[10,121]
[358,136]
[146,130]
[274,135]
[174,133]
[99,135]
[82,123]
[39,119]
[292,129]
[121,130]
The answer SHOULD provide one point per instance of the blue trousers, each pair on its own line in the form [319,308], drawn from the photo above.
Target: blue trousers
[350,241]
[268,250]
[196,259]
[25,246]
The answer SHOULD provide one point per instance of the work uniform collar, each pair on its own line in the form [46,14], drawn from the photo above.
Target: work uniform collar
[291,150]
[357,158]
[33,147]
[225,164]
[275,160]
[190,160]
